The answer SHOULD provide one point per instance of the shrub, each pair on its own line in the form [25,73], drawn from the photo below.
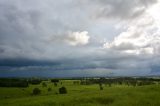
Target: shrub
[100,86]
[62,90]
[76,82]
[55,84]
[49,89]
[44,84]
[36,91]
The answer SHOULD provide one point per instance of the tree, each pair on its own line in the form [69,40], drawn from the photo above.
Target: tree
[62,90]
[36,91]
[100,86]
[110,84]
[44,84]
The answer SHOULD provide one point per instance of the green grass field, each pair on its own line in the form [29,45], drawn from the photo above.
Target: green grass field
[82,95]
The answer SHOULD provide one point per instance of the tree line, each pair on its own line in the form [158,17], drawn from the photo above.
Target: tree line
[118,81]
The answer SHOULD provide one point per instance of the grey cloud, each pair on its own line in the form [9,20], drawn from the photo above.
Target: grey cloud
[124,46]
[33,37]
[113,62]
[24,27]
[121,9]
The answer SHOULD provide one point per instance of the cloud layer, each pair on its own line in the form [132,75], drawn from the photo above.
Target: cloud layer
[79,38]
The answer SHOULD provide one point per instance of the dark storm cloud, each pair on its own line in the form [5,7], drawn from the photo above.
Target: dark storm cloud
[107,62]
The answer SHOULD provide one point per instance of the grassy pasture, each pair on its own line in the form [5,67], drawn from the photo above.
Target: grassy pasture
[81,95]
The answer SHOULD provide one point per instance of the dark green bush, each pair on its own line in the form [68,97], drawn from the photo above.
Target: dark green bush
[44,84]
[36,91]
[49,89]
[62,90]
[100,86]
[55,84]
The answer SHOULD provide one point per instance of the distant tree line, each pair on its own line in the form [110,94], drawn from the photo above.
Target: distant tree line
[12,82]
[18,82]
[119,81]
[55,81]
[130,81]
[34,81]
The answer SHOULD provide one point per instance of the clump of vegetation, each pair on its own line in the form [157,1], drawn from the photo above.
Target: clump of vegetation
[62,90]
[36,91]
[49,89]
[44,84]
[55,84]
[55,81]
[100,86]
[76,82]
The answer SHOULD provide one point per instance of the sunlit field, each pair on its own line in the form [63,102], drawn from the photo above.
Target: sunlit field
[80,94]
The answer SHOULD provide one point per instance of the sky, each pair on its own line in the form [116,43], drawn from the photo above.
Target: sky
[79,38]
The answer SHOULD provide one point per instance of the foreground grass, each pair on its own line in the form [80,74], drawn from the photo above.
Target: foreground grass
[82,95]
